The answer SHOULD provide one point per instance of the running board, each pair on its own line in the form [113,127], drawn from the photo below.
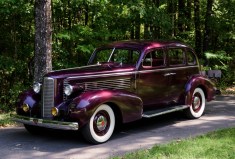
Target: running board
[153,113]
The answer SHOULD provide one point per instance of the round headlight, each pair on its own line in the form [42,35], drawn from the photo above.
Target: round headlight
[36,87]
[25,107]
[54,111]
[68,90]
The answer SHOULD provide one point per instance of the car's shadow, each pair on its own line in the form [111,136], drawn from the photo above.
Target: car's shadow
[145,124]
[122,130]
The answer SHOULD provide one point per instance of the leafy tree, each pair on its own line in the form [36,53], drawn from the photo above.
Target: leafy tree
[80,25]
[16,48]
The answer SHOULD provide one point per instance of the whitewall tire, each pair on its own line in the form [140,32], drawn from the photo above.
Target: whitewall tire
[198,103]
[100,126]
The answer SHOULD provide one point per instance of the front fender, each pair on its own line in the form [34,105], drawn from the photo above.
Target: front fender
[30,98]
[204,83]
[129,105]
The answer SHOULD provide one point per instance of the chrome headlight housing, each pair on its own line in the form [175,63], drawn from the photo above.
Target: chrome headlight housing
[37,87]
[25,107]
[68,90]
[54,111]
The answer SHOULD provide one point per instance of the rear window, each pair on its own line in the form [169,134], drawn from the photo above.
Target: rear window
[191,58]
[176,56]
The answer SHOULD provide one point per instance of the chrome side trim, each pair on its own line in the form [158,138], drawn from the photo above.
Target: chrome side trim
[151,114]
[108,84]
[45,123]
[104,75]
[131,73]
[76,68]
[166,69]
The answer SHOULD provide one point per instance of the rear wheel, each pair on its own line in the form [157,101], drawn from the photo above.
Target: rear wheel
[198,104]
[100,126]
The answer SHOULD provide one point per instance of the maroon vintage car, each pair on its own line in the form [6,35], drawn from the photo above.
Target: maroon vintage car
[123,82]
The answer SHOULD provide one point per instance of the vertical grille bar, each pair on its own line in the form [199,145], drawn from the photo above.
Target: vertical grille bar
[65,84]
[48,97]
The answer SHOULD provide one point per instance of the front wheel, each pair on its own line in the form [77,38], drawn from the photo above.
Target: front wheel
[100,126]
[198,104]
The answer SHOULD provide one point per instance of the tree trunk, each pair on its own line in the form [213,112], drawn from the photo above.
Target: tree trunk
[137,26]
[86,14]
[146,31]
[132,31]
[188,15]
[157,29]
[181,15]
[156,2]
[172,11]
[197,28]
[43,39]
[207,31]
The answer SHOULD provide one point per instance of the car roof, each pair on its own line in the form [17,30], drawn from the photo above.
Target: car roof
[144,44]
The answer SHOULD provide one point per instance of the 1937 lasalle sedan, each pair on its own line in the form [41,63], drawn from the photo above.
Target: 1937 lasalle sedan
[123,82]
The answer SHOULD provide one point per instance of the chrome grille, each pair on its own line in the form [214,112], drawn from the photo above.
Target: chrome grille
[108,84]
[48,97]
[65,84]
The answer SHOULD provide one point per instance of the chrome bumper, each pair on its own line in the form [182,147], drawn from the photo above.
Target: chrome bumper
[45,123]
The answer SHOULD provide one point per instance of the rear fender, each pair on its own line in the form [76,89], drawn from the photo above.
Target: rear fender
[202,82]
[129,104]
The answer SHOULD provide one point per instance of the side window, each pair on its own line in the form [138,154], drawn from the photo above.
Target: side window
[125,56]
[154,59]
[147,60]
[120,56]
[102,56]
[176,56]
[191,59]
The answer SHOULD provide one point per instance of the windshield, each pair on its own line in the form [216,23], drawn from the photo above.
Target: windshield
[124,56]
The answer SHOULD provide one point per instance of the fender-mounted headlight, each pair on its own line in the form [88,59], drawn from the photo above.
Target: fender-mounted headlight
[54,111]
[25,107]
[37,87]
[68,90]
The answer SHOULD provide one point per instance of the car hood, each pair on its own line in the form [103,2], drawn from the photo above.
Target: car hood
[106,68]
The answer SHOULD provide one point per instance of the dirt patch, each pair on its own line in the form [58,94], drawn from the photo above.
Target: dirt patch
[229,90]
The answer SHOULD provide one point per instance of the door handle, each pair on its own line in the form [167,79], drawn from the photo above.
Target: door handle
[169,74]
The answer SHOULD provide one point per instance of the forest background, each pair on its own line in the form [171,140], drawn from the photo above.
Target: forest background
[81,25]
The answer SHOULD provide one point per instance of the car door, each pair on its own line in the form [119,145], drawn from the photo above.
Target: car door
[152,84]
[177,75]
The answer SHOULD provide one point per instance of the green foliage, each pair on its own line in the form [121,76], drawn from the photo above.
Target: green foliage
[16,47]
[220,60]
[5,120]
[13,78]
[79,26]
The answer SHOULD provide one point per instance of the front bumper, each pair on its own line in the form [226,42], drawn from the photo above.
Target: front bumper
[45,123]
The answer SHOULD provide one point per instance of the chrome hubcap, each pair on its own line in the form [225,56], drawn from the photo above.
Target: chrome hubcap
[101,123]
[196,103]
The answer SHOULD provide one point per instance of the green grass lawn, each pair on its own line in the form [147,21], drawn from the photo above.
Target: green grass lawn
[5,120]
[215,145]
